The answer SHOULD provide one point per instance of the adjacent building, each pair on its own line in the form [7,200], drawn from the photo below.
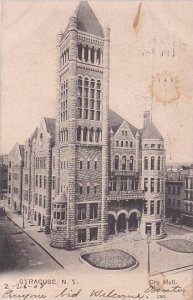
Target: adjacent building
[3,177]
[179,195]
[90,173]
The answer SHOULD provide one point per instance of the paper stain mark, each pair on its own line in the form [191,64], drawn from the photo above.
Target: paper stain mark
[188,292]
[137,18]
[165,88]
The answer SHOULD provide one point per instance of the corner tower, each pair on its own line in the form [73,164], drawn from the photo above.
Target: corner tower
[82,131]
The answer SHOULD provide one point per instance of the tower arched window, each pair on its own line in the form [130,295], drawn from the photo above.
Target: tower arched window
[124,162]
[158,163]
[80,51]
[117,143]
[86,53]
[91,132]
[99,56]
[92,55]
[145,163]
[97,135]
[131,163]
[78,134]
[85,132]
[152,163]
[116,162]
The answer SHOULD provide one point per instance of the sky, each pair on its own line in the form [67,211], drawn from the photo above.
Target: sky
[150,66]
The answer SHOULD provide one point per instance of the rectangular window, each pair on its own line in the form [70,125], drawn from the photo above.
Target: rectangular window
[158,207]
[152,185]
[40,181]
[80,164]
[123,185]
[169,189]
[88,189]
[53,182]
[80,189]
[174,190]
[44,202]
[95,189]
[146,184]
[158,185]
[98,115]
[81,235]
[95,164]
[9,189]
[152,207]
[148,228]
[178,190]
[94,234]
[81,211]
[178,203]
[40,200]
[145,207]
[53,163]
[88,164]
[58,215]
[94,211]
[36,180]
[44,181]
[158,226]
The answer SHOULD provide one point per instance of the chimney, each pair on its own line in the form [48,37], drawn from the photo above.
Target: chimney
[146,118]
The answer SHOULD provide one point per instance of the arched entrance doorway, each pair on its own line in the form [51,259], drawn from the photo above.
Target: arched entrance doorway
[111,224]
[121,222]
[133,221]
[39,219]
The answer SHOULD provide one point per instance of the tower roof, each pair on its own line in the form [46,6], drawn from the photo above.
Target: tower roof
[87,21]
[151,132]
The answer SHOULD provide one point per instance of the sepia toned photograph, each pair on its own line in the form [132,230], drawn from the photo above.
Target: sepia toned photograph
[96,150]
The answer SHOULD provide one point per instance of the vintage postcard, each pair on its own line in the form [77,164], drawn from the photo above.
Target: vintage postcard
[96,157]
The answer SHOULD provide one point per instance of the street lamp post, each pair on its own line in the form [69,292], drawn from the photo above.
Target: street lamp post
[148,253]
[23,217]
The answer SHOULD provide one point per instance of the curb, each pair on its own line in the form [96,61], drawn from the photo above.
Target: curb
[36,242]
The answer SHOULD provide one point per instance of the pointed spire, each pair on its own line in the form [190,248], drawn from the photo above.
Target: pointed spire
[87,20]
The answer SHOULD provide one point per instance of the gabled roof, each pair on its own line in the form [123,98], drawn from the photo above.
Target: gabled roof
[87,21]
[151,132]
[51,127]
[34,135]
[115,122]
[17,152]
[62,198]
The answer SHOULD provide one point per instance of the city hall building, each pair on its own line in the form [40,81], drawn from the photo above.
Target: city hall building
[88,173]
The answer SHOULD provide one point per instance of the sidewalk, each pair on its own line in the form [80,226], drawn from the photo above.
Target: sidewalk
[180,226]
[68,260]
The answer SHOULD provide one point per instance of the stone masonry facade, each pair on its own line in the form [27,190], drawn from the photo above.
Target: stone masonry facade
[88,173]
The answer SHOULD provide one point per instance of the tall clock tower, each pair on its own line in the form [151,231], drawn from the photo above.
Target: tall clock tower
[82,131]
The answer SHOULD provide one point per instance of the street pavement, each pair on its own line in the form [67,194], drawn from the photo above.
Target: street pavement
[19,252]
[162,259]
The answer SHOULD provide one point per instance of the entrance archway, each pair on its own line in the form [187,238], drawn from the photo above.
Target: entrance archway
[111,224]
[121,222]
[133,221]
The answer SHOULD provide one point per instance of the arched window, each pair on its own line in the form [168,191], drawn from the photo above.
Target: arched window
[85,131]
[131,144]
[124,162]
[86,53]
[97,135]
[99,56]
[91,131]
[92,55]
[121,143]
[131,163]
[116,162]
[117,143]
[126,144]
[78,134]
[145,163]
[152,163]
[158,163]
[80,51]
[66,134]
